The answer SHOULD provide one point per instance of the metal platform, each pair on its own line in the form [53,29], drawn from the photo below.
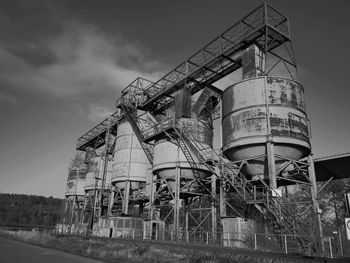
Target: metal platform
[264,26]
[96,136]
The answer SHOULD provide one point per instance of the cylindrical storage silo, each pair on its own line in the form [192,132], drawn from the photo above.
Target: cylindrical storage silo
[245,126]
[130,161]
[96,170]
[76,181]
[167,155]
[95,166]
[75,193]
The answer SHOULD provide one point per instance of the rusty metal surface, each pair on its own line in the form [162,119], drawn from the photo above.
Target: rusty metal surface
[245,125]
[252,62]
[183,103]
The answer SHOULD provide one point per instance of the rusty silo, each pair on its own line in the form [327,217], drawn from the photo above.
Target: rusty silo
[260,110]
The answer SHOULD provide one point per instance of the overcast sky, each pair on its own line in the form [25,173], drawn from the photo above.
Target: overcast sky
[63,63]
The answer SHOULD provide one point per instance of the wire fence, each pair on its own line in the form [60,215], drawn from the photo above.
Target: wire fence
[327,246]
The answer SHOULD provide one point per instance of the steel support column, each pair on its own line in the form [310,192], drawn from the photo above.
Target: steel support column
[271,165]
[111,201]
[177,202]
[73,210]
[126,197]
[83,210]
[65,211]
[315,206]
[151,199]
[213,209]
[223,209]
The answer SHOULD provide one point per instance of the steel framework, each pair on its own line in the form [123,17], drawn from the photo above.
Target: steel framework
[266,28]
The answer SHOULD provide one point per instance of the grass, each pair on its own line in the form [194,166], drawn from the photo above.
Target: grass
[114,250]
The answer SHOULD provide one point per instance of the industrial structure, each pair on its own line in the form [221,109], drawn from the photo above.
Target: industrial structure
[150,169]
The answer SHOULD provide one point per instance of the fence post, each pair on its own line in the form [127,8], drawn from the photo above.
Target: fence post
[187,237]
[255,244]
[340,243]
[207,238]
[330,246]
[285,244]
[133,234]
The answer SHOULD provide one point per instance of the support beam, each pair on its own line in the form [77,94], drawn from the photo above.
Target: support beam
[271,165]
[213,209]
[83,210]
[111,201]
[65,211]
[73,210]
[177,202]
[126,197]
[151,198]
[315,206]
[185,223]
[223,209]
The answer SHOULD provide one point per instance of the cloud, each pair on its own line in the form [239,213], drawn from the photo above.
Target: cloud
[8,98]
[97,112]
[83,64]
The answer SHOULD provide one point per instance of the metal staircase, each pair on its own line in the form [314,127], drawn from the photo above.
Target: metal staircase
[264,198]
[131,116]
[195,166]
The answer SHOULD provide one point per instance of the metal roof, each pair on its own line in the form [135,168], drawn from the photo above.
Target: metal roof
[336,166]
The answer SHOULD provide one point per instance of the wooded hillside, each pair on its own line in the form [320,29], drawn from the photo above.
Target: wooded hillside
[17,210]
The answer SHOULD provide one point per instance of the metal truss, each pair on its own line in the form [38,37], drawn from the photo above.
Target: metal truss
[264,26]
[95,137]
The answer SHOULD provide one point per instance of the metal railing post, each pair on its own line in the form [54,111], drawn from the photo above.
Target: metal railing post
[285,244]
[255,244]
[330,246]
[340,243]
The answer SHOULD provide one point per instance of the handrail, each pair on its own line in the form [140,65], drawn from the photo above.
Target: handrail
[274,205]
[137,131]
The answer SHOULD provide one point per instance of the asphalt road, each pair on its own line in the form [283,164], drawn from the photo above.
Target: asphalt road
[17,252]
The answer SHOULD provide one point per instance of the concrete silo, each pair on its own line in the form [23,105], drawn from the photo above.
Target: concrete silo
[168,156]
[75,193]
[94,191]
[131,171]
